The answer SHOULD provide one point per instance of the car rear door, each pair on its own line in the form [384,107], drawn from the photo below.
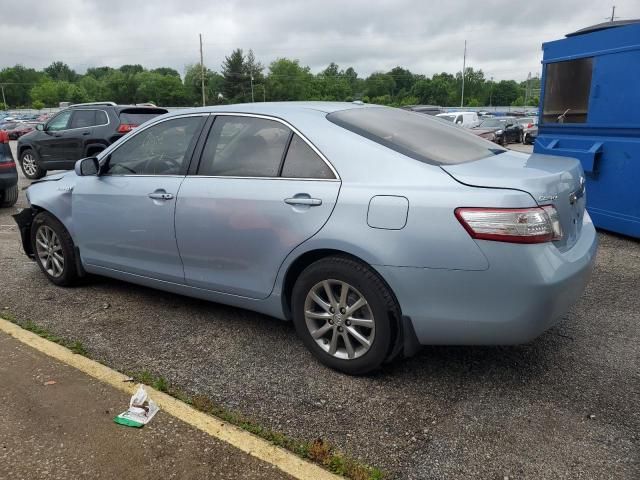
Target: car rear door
[124,218]
[260,190]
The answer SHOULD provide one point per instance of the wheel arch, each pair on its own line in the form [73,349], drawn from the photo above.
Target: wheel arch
[403,335]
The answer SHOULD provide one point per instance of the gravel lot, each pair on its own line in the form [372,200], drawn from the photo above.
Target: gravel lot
[564,406]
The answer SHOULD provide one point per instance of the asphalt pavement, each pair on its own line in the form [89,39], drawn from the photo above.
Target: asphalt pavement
[58,424]
[563,406]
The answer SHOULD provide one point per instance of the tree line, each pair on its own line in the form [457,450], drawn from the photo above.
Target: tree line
[242,78]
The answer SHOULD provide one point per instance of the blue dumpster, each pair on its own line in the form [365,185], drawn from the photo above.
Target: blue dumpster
[590,110]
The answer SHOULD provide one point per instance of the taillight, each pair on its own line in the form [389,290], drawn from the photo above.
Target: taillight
[126,127]
[529,125]
[4,136]
[515,225]
[7,165]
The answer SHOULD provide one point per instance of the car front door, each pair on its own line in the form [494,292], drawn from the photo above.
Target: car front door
[259,191]
[124,218]
[54,144]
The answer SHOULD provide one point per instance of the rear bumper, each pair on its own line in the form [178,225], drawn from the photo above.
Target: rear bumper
[526,289]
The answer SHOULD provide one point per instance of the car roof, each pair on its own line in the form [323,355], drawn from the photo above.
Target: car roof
[277,109]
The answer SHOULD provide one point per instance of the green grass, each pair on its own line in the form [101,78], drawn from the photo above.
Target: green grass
[318,451]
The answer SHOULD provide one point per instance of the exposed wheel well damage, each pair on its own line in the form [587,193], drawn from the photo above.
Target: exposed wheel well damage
[404,338]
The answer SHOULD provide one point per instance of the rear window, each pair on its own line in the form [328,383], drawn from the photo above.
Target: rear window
[137,116]
[420,137]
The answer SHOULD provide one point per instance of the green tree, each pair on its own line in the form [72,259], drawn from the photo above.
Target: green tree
[99,72]
[18,82]
[213,84]
[287,80]
[234,71]
[165,90]
[403,81]
[379,84]
[60,71]
[166,71]
[505,92]
[51,93]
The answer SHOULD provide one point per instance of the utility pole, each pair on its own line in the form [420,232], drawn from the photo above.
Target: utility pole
[464,66]
[252,99]
[204,101]
[4,100]
[526,91]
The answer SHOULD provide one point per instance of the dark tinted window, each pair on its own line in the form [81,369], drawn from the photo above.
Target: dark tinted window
[101,117]
[303,162]
[244,147]
[414,135]
[566,91]
[158,150]
[83,118]
[137,116]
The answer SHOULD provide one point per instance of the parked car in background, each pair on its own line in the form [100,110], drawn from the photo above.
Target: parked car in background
[21,129]
[8,125]
[462,119]
[426,109]
[79,131]
[528,125]
[8,173]
[531,135]
[501,130]
[297,210]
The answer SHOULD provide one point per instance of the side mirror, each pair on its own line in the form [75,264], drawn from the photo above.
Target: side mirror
[40,126]
[87,167]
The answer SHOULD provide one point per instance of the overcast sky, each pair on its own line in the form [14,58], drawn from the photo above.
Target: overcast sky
[504,36]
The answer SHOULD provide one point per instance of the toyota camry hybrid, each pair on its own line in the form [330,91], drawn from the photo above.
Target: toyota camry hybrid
[375,230]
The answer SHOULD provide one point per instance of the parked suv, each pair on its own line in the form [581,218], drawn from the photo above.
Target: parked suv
[76,132]
[8,173]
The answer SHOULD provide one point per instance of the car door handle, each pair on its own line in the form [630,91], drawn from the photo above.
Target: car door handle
[312,202]
[161,196]
[85,133]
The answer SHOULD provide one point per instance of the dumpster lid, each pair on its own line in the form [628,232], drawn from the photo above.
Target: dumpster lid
[603,26]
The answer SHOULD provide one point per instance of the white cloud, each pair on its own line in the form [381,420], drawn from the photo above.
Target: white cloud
[504,37]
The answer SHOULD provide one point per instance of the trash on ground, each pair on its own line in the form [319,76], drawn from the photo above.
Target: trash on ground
[141,410]
[50,382]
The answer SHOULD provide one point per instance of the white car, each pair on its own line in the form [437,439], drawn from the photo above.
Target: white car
[463,119]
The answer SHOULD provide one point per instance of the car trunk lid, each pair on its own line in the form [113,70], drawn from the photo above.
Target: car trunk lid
[550,180]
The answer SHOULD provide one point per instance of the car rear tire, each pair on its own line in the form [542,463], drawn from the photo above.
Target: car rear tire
[9,197]
[343,312]
[30,164]
[54,250]
[503,140]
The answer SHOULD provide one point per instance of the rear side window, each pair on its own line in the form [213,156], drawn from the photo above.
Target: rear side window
[417,136]
[244,147]
[303,162]
[566,91]
[82,118]
[137,116]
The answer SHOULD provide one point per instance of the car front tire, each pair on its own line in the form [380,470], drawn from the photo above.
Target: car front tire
[9,197]
[54,250]
[30,164]
[343,312]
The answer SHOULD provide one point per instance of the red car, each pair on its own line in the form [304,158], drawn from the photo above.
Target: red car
[21,129]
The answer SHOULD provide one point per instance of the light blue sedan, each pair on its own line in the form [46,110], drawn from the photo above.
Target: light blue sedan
[375,230]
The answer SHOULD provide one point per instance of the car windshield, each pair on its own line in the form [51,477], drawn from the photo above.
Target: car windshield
[418,136]
[493,123]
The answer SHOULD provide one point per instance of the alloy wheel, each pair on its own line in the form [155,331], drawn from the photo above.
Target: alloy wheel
[339,319]
[49,251]
[29,164]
